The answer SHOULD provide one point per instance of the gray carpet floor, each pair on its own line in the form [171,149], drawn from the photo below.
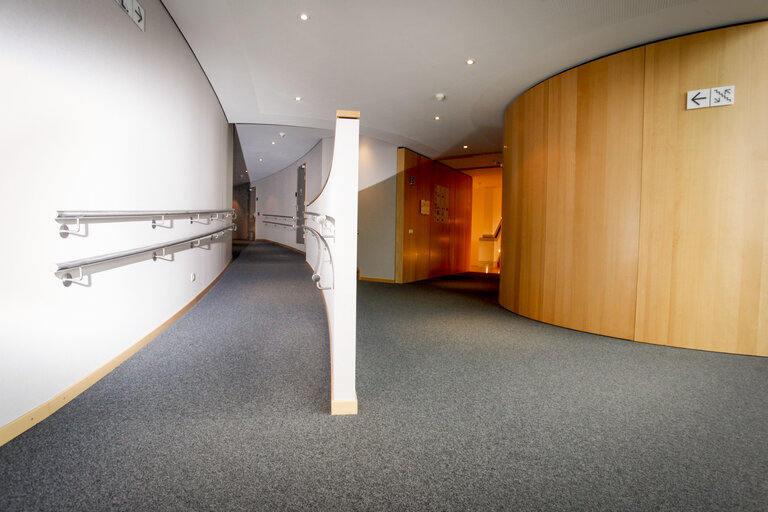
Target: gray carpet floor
[463,406]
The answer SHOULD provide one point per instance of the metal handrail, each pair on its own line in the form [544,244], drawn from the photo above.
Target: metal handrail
[316,276]
[279,216]
[324,220]
[63,216]
[315,214]
[494,236]
[278,224]
[64,270]
[66,217]
[321,241]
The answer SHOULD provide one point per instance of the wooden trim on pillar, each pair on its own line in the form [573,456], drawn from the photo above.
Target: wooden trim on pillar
[347,114]
[343,407]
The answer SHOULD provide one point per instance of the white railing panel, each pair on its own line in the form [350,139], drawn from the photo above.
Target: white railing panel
[334,216]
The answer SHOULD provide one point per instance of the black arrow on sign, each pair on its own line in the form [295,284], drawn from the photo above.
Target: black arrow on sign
[696,98]
[138,13]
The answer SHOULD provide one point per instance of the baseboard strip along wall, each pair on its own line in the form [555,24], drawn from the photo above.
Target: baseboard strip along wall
[39,413]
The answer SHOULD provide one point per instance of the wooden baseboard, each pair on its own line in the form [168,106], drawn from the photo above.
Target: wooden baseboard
[343,407]
[38,414]
[376,280]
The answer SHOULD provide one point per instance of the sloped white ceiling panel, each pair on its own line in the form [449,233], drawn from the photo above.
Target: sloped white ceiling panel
[389,59]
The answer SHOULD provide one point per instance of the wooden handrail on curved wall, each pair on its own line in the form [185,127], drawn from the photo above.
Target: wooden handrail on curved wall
[629,216]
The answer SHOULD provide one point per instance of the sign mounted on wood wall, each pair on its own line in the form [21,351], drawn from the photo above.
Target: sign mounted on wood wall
[441,204]
[133,9]
[697,99]
[720,96]
[713,97]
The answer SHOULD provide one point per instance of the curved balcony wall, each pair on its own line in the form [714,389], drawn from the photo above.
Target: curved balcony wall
[629,216]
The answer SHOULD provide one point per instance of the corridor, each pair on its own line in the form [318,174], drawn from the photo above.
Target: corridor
[463,406]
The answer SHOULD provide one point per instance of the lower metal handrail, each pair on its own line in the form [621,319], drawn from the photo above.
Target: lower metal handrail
[322,243]
[316,276]
[65,270]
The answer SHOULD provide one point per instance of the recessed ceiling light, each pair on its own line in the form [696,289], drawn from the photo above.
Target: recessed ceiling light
[465,146]
[470,62]
[437,118]
[298,98]
[273,143]
[304,16]
[246,170]
[282,134]
[261,159]
[440,96]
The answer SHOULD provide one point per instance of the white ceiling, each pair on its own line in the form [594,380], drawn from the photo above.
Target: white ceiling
[389,59]
[263,158]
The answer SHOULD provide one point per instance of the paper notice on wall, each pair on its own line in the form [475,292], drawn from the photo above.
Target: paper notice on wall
[441,203]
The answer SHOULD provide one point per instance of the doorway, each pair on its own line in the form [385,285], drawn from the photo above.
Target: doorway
[485,169]
[301,193]
[485,240]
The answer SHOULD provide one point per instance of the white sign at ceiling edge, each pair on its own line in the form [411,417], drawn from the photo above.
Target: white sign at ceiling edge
[133,9]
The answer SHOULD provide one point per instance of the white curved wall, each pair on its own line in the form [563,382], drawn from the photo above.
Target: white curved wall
[97,114]
[276,196]
[338,267]
[377,209]
[377,201]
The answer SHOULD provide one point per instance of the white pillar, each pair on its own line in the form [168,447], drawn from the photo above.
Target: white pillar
[338,200]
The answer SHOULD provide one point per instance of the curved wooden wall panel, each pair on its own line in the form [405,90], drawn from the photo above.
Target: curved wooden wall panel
[572,196]
[703,275]
[627,215]
[524,189]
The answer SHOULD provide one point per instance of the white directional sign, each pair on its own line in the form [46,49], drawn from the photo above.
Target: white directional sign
[714,97]
[133,9]
[724,95]
[698,99]
[125,5]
